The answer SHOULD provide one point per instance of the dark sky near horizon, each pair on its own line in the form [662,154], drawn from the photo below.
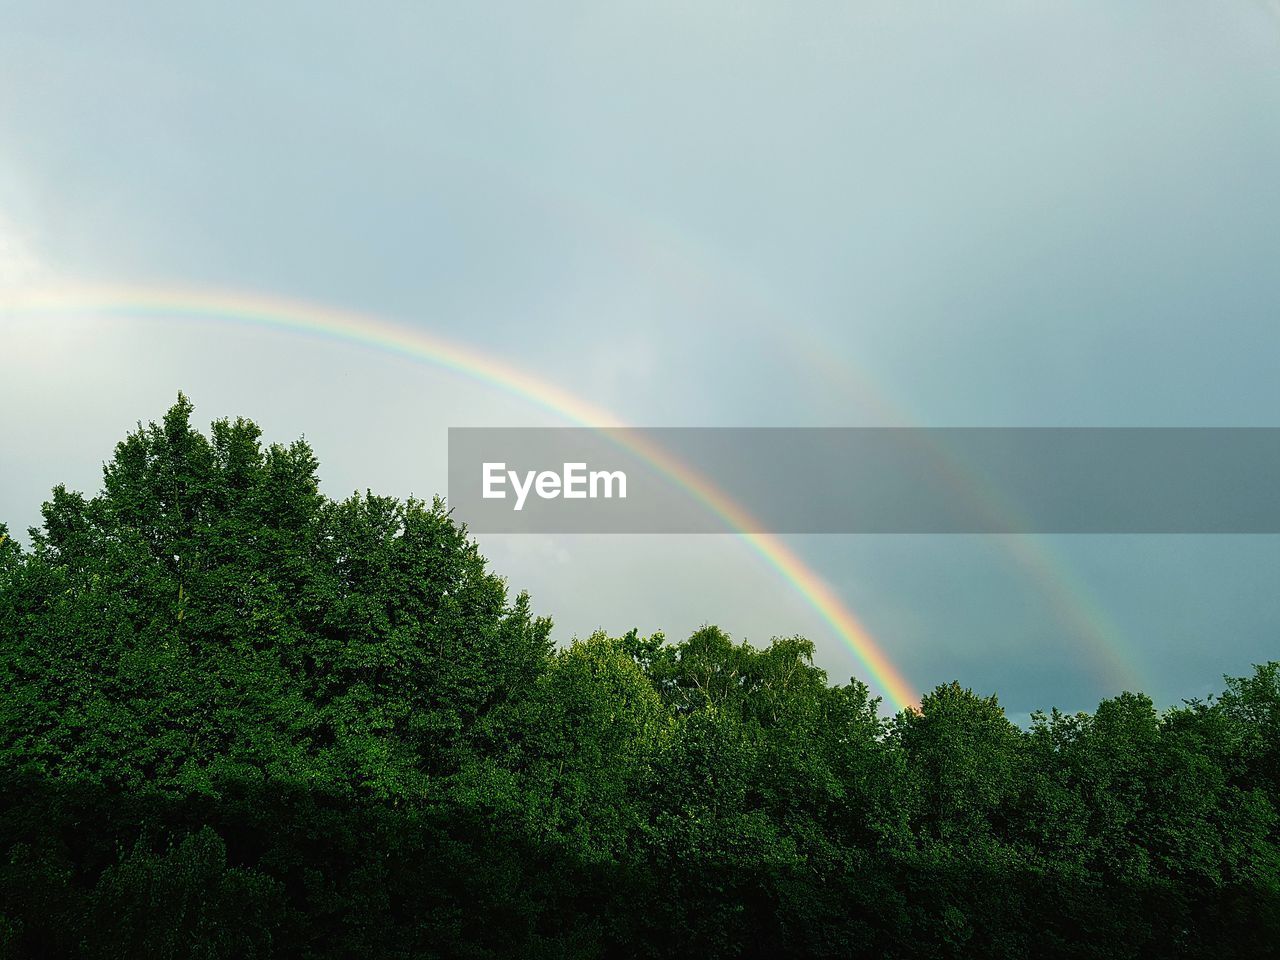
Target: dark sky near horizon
[730,214]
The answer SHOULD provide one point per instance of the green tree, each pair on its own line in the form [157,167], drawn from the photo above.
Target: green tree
[242,719]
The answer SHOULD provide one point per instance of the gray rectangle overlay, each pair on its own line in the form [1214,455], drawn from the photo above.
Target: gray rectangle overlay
[867,480]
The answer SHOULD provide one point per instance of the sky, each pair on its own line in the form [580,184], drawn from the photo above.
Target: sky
[746,214]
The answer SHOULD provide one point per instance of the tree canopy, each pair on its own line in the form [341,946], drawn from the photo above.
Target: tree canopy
[241,719]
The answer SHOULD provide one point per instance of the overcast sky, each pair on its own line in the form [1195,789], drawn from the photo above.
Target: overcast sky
[716,214]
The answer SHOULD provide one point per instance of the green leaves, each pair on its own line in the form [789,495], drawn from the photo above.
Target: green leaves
[209,610]
[239,718]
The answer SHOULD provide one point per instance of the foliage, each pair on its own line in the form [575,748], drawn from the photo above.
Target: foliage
[244,720]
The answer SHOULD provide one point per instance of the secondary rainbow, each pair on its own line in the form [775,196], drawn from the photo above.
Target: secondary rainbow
[1071,598]
[380,334]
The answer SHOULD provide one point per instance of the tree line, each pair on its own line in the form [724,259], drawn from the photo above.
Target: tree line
[241,719]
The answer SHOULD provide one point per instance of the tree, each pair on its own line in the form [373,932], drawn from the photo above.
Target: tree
[966,759]
[242,719]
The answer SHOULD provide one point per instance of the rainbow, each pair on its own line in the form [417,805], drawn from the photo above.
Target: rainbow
[688,264]
[1070,597]
[376,333]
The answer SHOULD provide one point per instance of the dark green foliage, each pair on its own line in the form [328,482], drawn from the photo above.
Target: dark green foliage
[243,720]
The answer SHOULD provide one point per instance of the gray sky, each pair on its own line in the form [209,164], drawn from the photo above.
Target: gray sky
[727,214]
